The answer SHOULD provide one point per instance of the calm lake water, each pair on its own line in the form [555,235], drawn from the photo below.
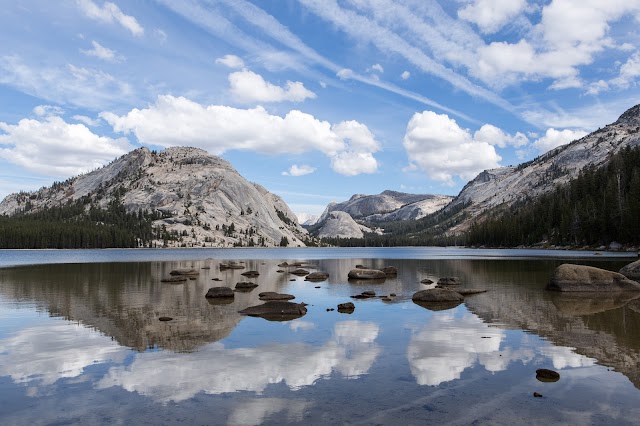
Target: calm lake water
[81,343]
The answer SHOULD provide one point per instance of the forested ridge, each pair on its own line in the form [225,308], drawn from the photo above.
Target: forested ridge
[598,207]
[79,224]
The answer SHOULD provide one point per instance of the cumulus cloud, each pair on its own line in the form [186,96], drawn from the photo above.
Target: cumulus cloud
[47,110]
[554,138]
[91,122]
[436,144]
[296,170]
[491,15]
[405,75]
[101,52]
[231,61]
[248,87]
[216,128]
[110,13]
[495,136]
[55,147]
[629,71]
[377,67]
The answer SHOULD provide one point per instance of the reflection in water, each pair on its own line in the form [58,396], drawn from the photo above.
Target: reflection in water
[447,345]
[255,412]
[216,369]
[43,354]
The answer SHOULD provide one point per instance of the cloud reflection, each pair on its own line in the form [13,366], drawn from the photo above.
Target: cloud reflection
[256,411]
[447,345]
[166,376]
[46,353]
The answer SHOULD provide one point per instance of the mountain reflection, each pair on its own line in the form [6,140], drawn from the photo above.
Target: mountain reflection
[216,369]
[449,344]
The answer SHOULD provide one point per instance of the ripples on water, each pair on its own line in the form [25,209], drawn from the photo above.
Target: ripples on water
[81,342]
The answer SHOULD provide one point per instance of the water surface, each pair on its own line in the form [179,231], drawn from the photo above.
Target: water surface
[81,343]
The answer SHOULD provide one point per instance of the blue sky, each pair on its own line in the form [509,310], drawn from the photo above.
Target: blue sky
[314,99]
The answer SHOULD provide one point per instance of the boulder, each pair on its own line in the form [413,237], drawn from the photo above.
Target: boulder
[176,279]
[449,281]
[216,292]
[469,291]
[317,276]
[184,272]
[251,274]
[300,272]
[369,293]
[225,266]
[569,277]
[390,270]
[283,264]
[346,308]
[426,281]
[245,286]
[615,246]
[164,319]
[545,375]
[366,274]
[632,270]
[276,310]
[272,295]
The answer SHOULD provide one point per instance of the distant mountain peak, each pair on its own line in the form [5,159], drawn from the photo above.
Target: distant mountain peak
[630,116]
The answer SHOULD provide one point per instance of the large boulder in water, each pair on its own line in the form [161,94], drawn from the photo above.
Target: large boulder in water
[276,310]
[366,274]
[316,276]
[437,299]
[569,277]
[632,270]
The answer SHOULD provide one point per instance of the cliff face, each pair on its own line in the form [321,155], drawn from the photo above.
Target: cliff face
[197,193]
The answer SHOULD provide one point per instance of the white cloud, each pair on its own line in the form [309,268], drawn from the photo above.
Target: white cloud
[377,67]
[296,170]
[554,138]
[47,110]
[629,71]
[52,146]
[248,87]
[437,145]
[495,136]
[110,13]
[85,87]
[231,61]
[101,52]
[323,84]
[491,15]
[405,75]
[345,74]
[257,411]
[216,128]
[596,87]
[352,163]
[91,122]
[161,35]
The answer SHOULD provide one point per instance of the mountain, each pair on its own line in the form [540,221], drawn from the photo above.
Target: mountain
[338,224]
[507,185]
[388,206]
[307,219]
[196,198]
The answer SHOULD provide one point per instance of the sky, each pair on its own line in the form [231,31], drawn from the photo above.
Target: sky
[316,100]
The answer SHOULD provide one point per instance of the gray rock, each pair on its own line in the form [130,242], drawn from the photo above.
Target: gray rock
[272,295]
[632,270]
[390,270]
[225,266]
[366,274]
[300,272]
[545,375]
[276,311]
[251,274]
[469,291]
[216,292]
[346,308]
[426,281]
[569,277]
[175,279]
[317,276]
[245,286]
[437,295]
[615,246]
[340,225]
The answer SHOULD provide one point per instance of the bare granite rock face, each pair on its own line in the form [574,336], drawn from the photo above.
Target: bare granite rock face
[199,195]
[340,224]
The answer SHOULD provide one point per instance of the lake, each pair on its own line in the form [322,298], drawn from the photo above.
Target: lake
[81,342]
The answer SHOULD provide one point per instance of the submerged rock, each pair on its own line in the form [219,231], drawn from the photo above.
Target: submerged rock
[176,279]
[632,270]
[569,277]
[225,266]
[469,291]
[184,272]
[216,292]
[251,274]
[366,274]
[276,311]
[449,281]
[426,281]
